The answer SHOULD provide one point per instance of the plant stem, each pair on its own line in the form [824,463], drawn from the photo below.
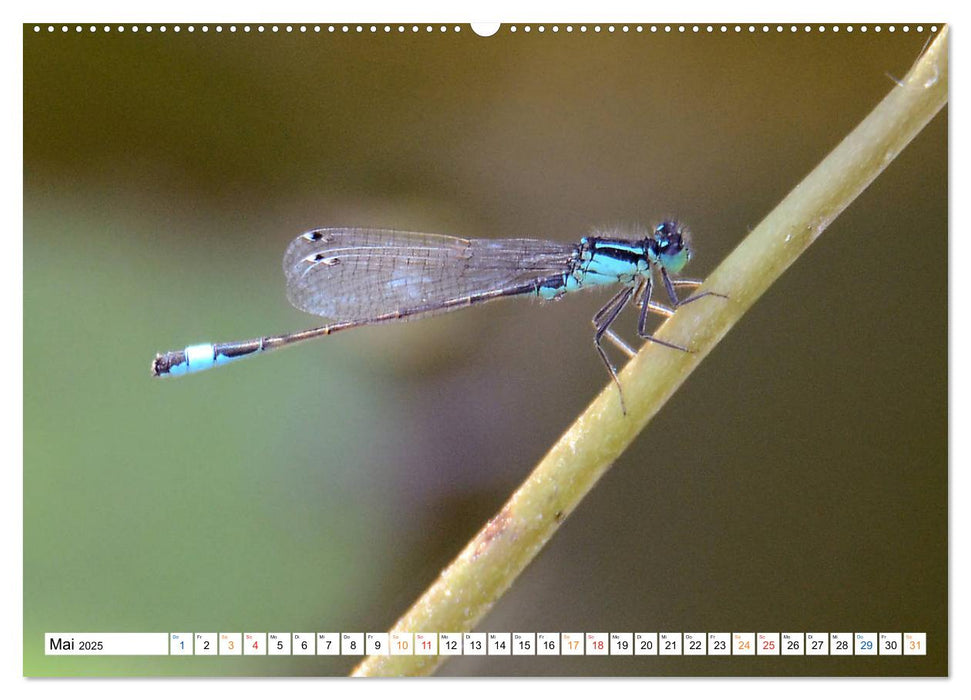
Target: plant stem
[485,569]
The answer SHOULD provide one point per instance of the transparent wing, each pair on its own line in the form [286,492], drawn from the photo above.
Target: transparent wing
[358,273]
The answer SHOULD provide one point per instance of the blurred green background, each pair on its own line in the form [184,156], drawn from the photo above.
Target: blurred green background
[797,482]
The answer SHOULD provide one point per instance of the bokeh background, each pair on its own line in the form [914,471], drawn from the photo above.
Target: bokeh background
[797,482]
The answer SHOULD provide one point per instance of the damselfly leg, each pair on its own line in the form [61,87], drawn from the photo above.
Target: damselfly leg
[601,323]
[644,301]
[641,291]
[670,285]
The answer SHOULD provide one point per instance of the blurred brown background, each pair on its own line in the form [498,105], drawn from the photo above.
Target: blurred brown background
[797,482]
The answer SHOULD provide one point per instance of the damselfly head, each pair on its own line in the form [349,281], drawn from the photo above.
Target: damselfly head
[670,245]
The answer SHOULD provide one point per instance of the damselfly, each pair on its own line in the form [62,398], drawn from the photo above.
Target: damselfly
[361,277]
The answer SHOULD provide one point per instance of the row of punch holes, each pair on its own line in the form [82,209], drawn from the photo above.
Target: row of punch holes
[484,29]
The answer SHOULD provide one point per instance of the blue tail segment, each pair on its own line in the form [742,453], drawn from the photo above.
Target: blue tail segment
[196,358]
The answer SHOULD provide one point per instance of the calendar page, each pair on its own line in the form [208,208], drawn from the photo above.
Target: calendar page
[746,454]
